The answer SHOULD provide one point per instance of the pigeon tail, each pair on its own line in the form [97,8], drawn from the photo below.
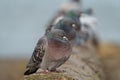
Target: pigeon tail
[30,71]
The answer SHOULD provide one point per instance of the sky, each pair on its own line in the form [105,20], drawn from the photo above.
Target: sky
[22,23]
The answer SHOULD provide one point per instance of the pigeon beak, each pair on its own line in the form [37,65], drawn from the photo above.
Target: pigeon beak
[64,37]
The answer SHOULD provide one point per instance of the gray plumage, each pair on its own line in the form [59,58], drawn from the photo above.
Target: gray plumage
[51,51]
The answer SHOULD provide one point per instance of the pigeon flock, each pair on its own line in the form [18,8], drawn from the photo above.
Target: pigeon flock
[69,27]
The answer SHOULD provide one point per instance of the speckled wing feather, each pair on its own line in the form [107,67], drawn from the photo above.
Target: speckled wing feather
[36,57]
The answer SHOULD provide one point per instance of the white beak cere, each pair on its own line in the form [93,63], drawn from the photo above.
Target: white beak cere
[64,37]
[73,25]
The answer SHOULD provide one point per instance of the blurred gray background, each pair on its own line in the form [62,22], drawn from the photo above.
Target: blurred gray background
[22,23]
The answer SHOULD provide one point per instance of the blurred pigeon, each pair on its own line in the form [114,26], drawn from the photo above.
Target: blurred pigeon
[84,26]
[69,23]
[88,23]
[72,15]
[51,51]
[81,20]
[71,5]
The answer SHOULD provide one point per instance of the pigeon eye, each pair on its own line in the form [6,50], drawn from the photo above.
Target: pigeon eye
[73,25]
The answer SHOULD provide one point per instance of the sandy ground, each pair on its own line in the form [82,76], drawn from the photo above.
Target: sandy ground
[12,69]
[110,56]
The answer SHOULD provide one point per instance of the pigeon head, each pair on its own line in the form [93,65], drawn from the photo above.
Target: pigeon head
[71,17]
[68,26]
[88,26]
[57,35]
[74,15]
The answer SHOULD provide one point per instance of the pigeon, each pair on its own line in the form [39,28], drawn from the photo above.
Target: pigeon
[51,51]
[88,24]
[71,5]
[84,26]
[86,20]
[69,23]
[71,20]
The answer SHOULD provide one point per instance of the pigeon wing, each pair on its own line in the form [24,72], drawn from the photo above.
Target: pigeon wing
[36,57]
